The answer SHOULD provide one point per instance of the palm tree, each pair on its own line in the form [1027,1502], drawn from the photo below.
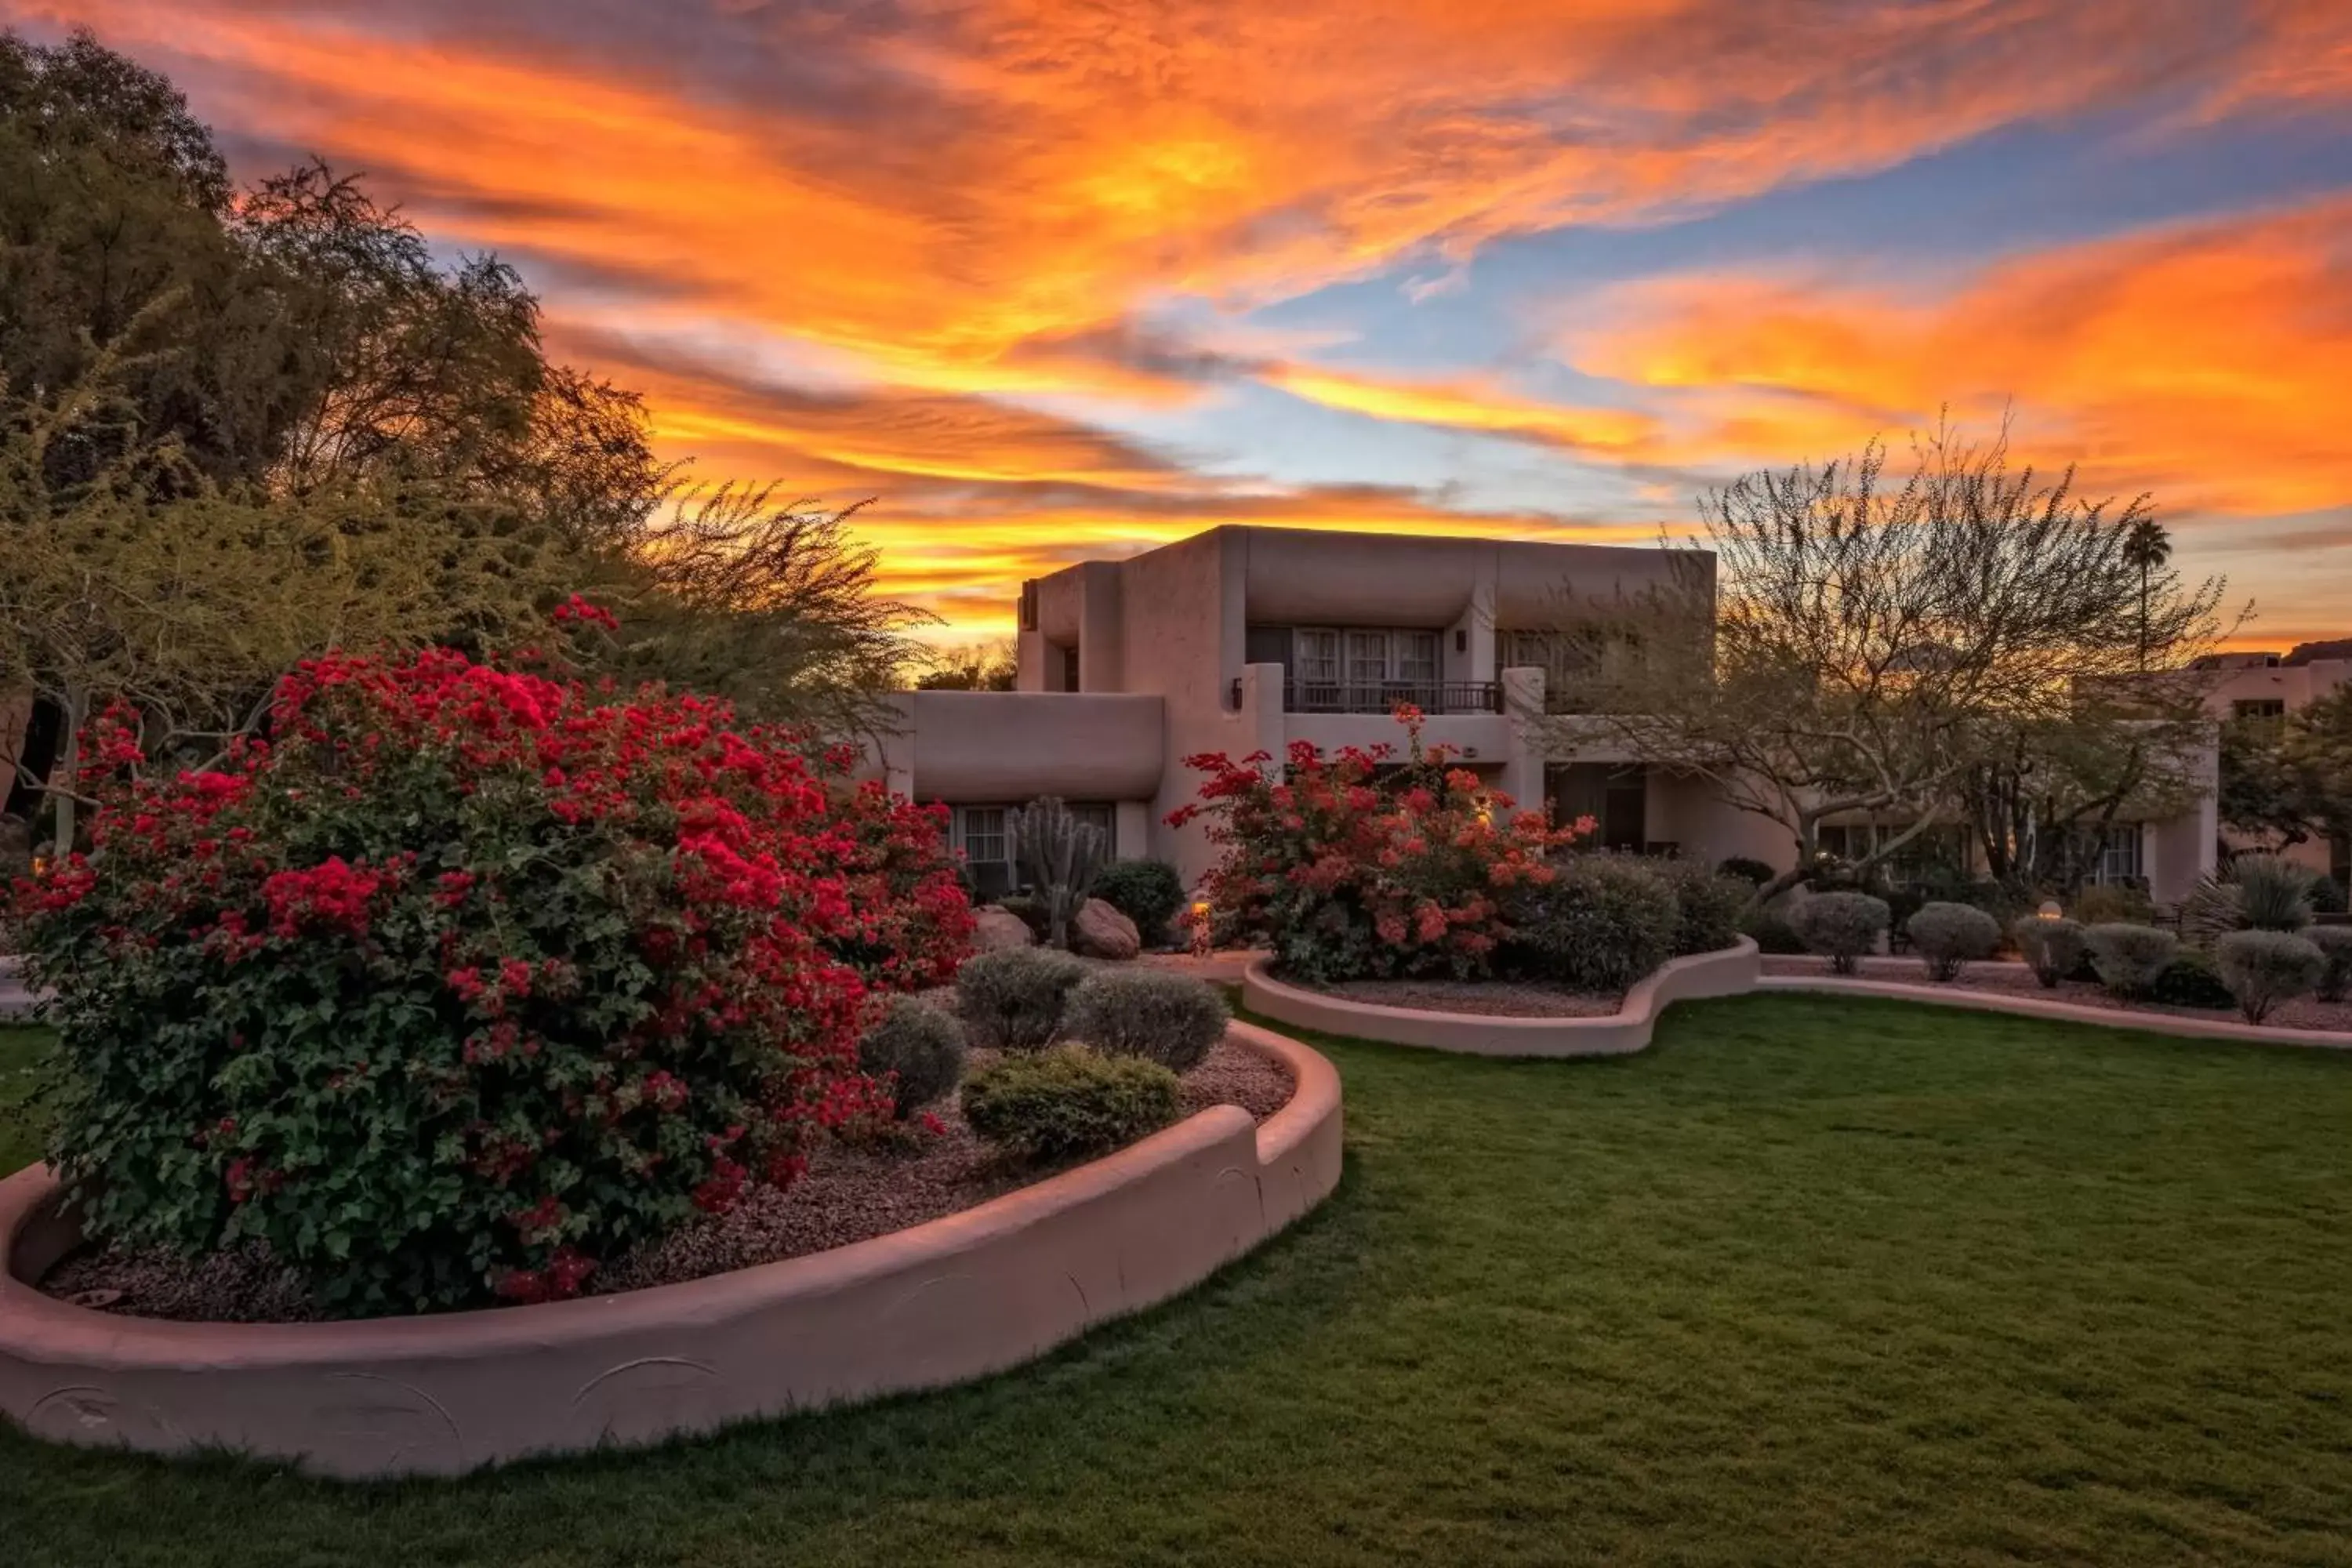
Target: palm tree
[2147,547]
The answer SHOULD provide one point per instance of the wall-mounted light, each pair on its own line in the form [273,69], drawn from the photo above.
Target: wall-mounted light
[1461,639]
[1234,696]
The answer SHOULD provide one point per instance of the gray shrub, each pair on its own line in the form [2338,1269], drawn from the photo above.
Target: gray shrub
[1171,1019]
[1841,927]
[1013,1000]
[2265,968]
[1951,936]
[2130,959]
[2054,947]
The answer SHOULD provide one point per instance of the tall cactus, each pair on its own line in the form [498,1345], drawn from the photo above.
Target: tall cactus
[1061,855]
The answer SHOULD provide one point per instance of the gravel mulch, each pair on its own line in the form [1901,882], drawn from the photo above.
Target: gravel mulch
[849,1194]
[1488,998]
[2304,1013]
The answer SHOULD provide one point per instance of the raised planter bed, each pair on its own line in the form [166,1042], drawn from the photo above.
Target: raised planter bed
[1730,973]
[934,1304]
[1998,988]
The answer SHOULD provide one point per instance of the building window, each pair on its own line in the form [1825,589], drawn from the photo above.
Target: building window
[1366,670]
[1315,656]
[2118,854]
[1102,815]
[2258,708]
[982,835]
[1616,796]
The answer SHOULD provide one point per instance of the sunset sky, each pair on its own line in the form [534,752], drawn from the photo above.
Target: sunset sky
[1051,278]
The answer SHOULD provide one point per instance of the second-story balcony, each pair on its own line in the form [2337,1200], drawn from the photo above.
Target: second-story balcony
[1385,696]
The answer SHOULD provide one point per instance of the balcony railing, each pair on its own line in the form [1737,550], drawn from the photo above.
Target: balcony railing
[1383,696]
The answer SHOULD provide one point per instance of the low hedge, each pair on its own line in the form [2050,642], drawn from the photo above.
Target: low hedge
[2053,948]
[1949,936]
[921,1046]
[1068,1103]
[1011,1000]
[1148,892]
[1841,927]
[2130,959]
[1171,1019]
[2265,968]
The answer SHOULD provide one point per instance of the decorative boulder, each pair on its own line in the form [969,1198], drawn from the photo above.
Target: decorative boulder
[995,928]
[1101,932]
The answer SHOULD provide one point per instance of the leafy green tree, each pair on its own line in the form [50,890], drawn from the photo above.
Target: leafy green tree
[241,429]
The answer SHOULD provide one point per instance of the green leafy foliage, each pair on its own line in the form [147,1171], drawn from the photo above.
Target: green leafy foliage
[1949,936]
[2190,980]
[1601,923]
[2273,893]
[1707,905]
[1013,1000]
[1148,892]
[919,1048]
[2334,945]
[1754,872]
[1068,1103]
[470,981]
[1841,927]
[2265,968]
[1767,927]
[1171,1019]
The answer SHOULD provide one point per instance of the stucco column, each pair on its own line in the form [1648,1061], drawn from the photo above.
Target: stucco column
[1523,768]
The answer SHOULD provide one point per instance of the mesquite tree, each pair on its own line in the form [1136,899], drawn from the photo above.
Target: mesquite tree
[1921,650]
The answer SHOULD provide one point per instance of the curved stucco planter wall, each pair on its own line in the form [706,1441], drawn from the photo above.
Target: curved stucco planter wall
[2058,1011]
[1725,974]
[935,1304]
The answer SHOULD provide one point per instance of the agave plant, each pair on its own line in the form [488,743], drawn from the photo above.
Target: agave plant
[2254,893]
[2273,894]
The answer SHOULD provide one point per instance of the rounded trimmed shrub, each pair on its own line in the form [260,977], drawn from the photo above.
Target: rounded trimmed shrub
[2191,981]
[1148,892]
[1755,873]
[2108,903]
[1707,905]
[468,981]
[1841,927]
[2053,948]
[1769,929]
[1601,923]
[2334,945]
[2328,897]
[1949,936]
[1171,1019]
[2129,958]
[1013,1000]
[918,1047]
[2265,968]
[1068,1103]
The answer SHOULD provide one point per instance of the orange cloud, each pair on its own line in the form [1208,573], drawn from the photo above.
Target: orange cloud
[2205,363]
[1466,405]
[962,204]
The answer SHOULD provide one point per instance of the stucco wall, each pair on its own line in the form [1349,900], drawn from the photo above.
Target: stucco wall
[1000,746]
[939,1303]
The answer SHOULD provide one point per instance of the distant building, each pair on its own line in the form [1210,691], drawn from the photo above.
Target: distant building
[2264,687]
[1242,639]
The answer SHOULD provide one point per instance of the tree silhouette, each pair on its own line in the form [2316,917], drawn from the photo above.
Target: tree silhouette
[2147,546]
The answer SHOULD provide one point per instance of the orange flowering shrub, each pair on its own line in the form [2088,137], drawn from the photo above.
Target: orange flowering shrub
[1350,867]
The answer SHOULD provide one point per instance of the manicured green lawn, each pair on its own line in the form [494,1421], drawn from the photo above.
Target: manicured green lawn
[20,1133]
[1817,1281]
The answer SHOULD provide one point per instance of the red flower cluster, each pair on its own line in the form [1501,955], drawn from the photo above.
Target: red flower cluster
[578,611]
[462,945]
[1349,870]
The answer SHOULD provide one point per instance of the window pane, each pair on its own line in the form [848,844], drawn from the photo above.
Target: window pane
[981,829]
[1368,657]
[1102,815]
[1417,656]
[1317,653]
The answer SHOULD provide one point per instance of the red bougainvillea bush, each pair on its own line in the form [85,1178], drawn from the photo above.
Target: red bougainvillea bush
[1350,869]
[468,980]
